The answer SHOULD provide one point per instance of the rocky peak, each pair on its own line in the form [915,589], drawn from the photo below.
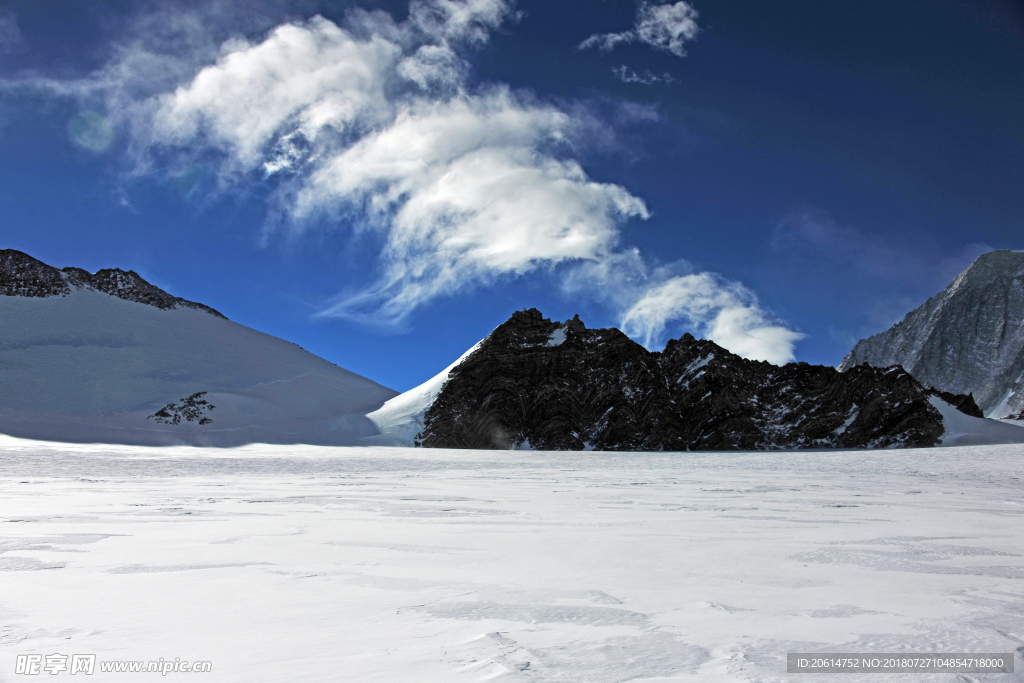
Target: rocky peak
[22,275]
[540,384]
[968,338]
[999,266]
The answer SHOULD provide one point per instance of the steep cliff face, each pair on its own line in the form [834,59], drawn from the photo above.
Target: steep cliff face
[22,275]
[534,383]
[968,338]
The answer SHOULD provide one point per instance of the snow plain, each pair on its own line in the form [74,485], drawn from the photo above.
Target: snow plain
[303,563]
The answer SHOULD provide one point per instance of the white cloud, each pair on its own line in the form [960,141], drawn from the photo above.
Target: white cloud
[434,67]
[627,75]
[307,79]
[667,27]
[462,21]
[464,194]
[372,127]
[707,304]
[463,186]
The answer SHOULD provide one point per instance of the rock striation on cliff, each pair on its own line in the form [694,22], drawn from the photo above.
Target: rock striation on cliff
[967,339]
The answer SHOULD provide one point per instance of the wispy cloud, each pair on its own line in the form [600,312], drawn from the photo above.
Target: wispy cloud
[726,312]
[10,34]
[667,27]
[465,193]
[892,272]
[650,299]
[627,75]
[810,233]
[371,126]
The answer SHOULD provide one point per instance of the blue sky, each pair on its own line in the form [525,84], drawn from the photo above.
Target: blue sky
[383,183]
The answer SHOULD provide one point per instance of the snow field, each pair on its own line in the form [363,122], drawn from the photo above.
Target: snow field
[301,563]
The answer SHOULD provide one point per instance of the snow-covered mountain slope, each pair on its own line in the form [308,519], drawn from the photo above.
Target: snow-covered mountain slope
[400,420]
[79,364]
[968,338]
[966,430]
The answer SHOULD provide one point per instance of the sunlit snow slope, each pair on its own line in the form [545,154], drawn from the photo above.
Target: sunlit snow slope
[89,366]
[400,420]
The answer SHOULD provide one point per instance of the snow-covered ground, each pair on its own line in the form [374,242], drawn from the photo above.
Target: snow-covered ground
[301,563]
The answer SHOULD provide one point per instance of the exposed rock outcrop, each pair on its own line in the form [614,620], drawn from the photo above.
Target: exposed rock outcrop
[967,339]
[534,383]
[22,275]
[192,408]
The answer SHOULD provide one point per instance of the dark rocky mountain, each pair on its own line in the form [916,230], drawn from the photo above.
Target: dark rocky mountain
[22,275]
[968,338]
[534,383]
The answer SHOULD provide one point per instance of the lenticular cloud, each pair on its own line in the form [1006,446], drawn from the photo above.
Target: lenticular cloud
[372,127]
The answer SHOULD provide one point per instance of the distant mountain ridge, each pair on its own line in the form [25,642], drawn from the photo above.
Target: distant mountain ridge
[537,384]
[968,338]
[108,357]
[23,275]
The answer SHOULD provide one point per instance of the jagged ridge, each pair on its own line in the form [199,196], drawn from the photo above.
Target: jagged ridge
[22,275]
[968,338]
[540,384]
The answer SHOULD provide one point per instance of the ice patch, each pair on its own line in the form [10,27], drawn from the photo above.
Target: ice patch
[27,564]
[536,614]
[841,612]
[150,569]
[695,366]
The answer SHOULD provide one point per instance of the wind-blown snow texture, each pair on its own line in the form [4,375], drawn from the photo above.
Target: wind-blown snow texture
[597,389]
[298,563]
[968,338]
[92,363]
